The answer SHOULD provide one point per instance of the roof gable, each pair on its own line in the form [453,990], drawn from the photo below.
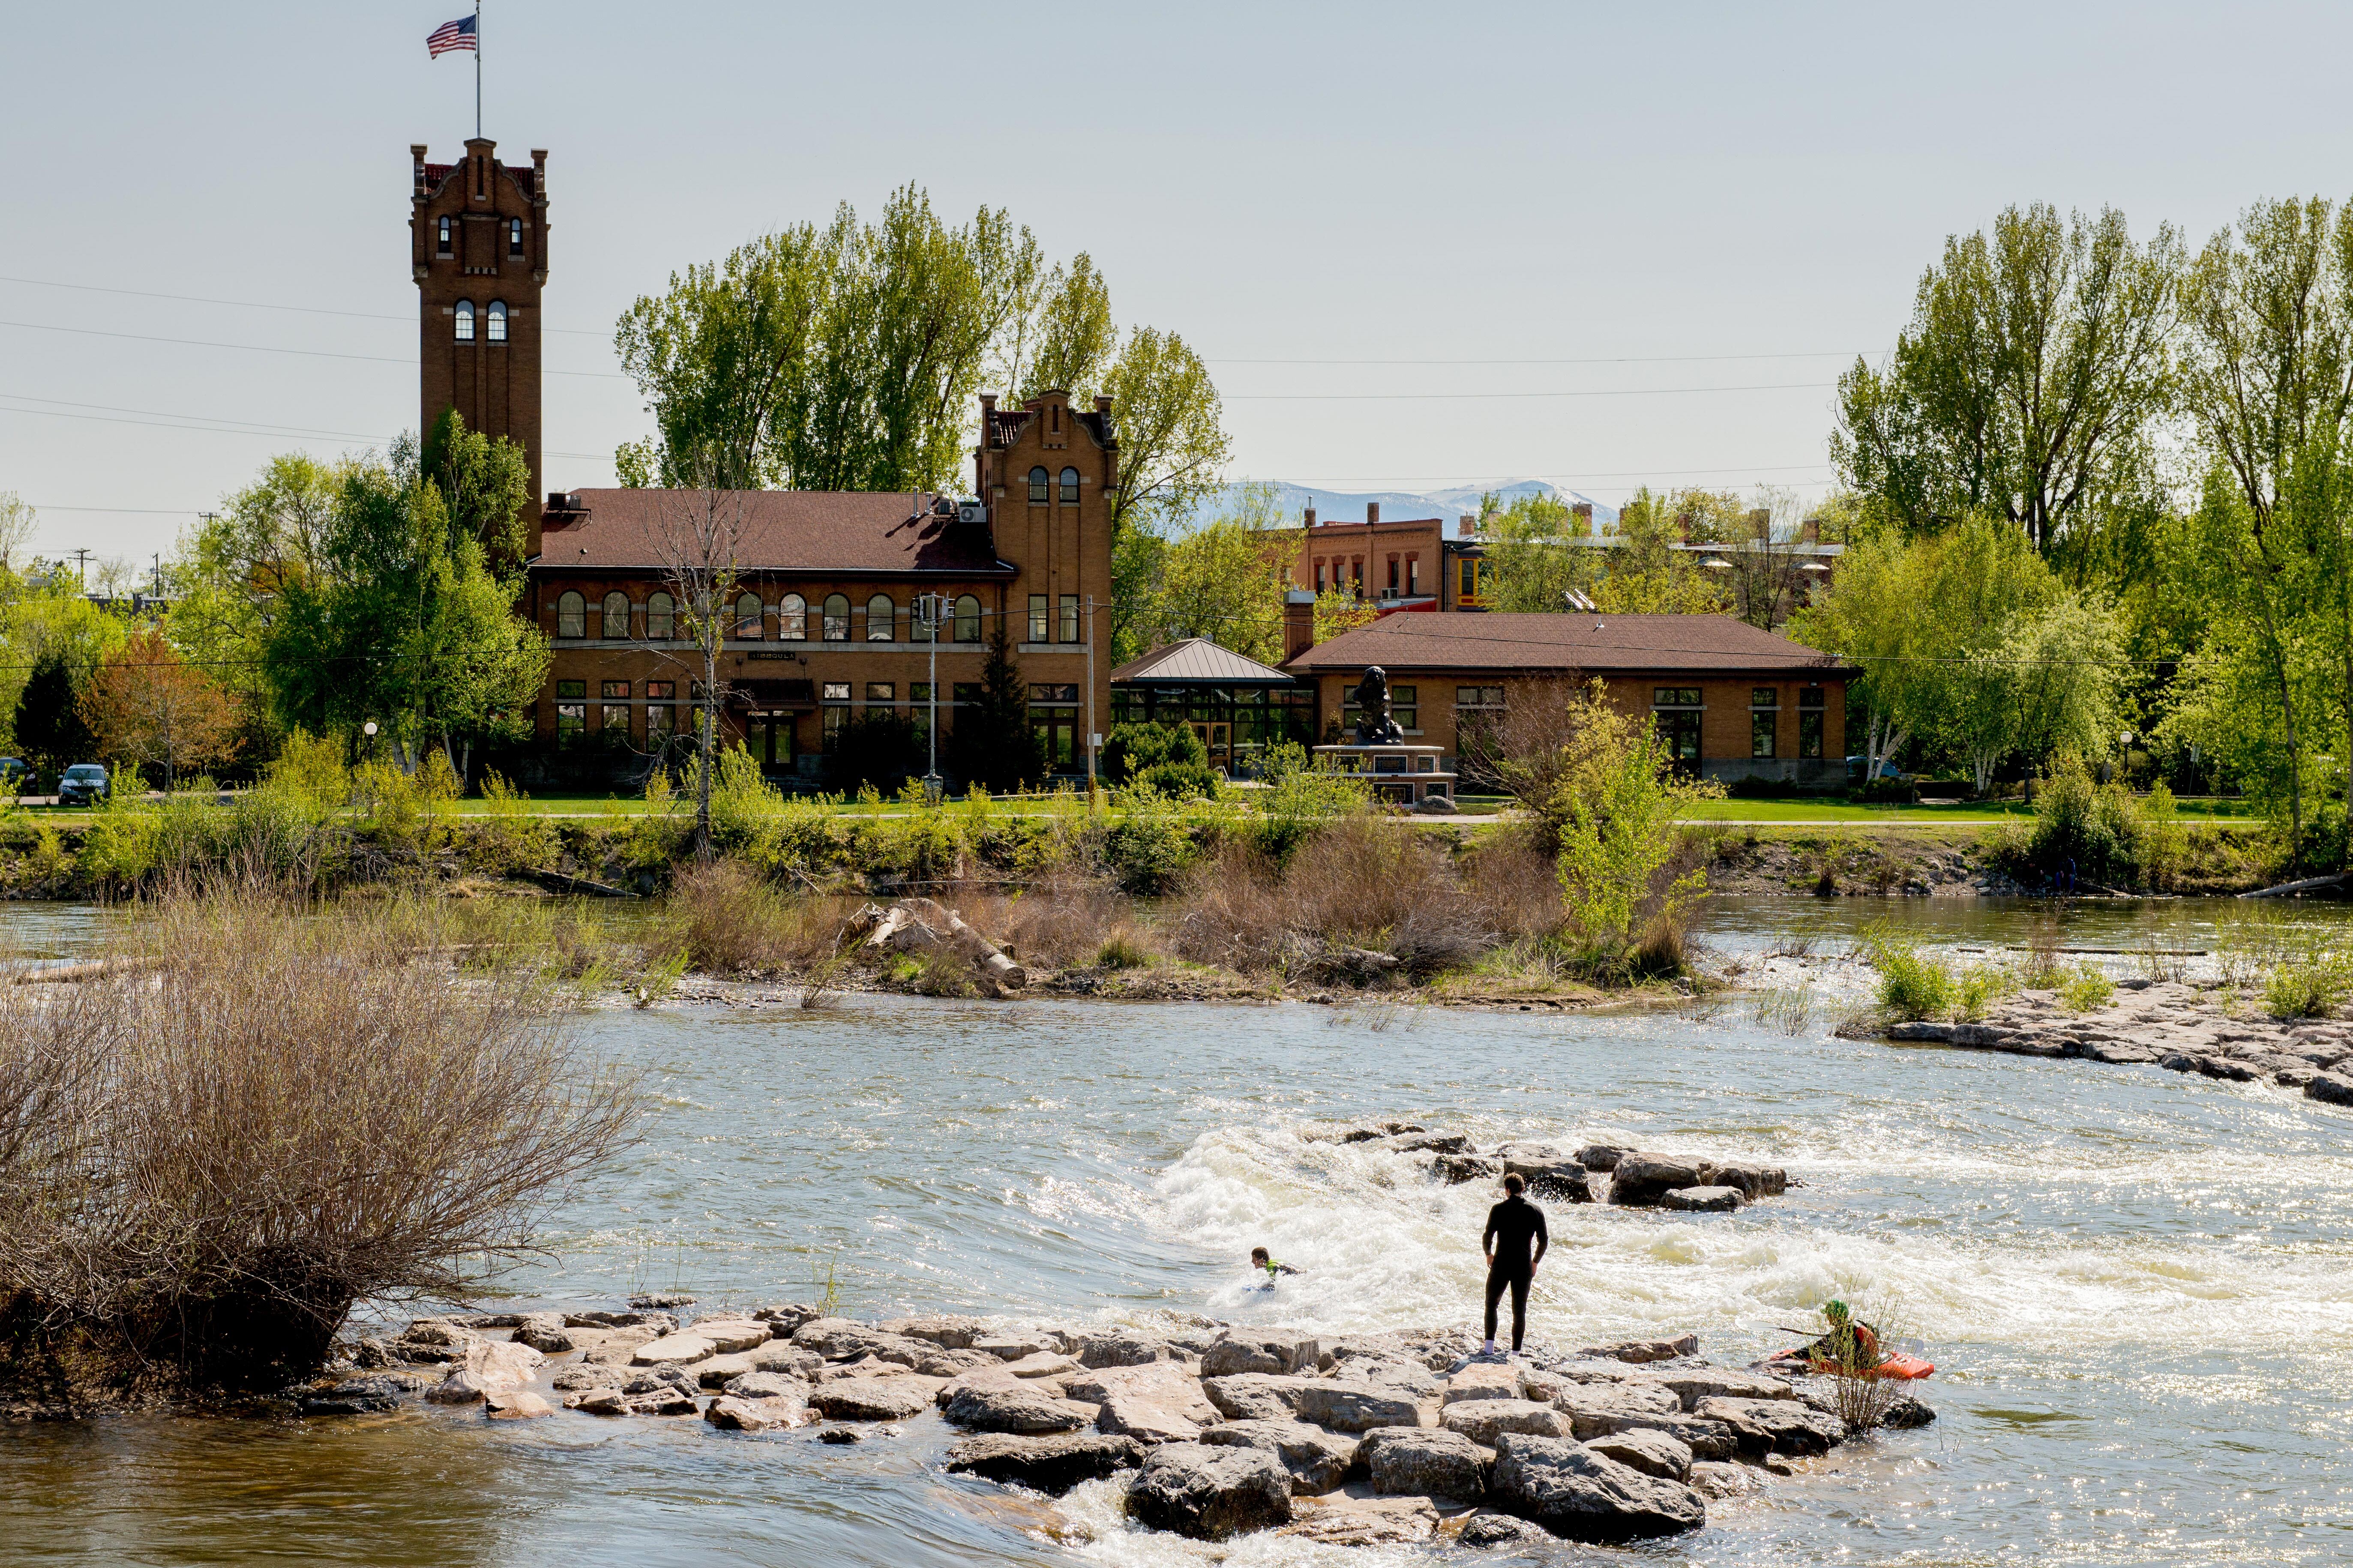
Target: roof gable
[1197,660]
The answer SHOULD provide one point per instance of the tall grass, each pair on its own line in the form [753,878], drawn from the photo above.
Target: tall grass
[207,1159]
[1911,984]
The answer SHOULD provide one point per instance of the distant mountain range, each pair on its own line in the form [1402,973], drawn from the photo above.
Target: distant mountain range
[1398,506]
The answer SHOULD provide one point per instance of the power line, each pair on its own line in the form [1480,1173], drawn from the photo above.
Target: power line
[253,304]
[266,432]
[1612,359]
[270,349]
[1563,475]
[1443,396]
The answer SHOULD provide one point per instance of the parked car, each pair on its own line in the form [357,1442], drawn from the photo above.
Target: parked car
[15,775]
[82,782]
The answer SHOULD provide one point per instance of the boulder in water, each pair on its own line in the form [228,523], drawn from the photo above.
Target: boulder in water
[2330,1088]
[1210,1491]
[1356,1407]
[1493,1530]
[1763,1426]
[1483,1420]
[1420,1462]
[1583,1496]
[1701,1200]
[1366,1521]
[1653,1453]
[1020,1410]
[1245,1351]
[871,1399]
[1255,1396]
[1640,1180]
[1051,1465]
[1319,1461]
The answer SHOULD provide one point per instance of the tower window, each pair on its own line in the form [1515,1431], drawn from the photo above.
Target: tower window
[497,322]
[1070,487]
[881,617]
[445,236]
[514,236]
[661,615]
[465,321]
[617,616]
[571,615]
[967,625]
[837,617]
[792,618]
[1039,482]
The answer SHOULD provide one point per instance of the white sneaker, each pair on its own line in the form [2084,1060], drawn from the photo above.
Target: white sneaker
[1488,1349]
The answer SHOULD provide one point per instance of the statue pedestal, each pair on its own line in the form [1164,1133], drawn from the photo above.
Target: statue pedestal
[1405,774]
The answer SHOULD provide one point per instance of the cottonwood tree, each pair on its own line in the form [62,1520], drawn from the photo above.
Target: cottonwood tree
[2029,382]
[1225,580]
[148,705]
[17,524]
[1173,446]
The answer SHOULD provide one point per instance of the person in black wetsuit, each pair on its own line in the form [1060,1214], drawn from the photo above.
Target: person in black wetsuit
[1512,1224]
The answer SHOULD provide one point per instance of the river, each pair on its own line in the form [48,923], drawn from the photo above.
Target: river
[2134,1283]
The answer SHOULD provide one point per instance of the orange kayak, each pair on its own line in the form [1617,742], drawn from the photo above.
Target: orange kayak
[1898,1365]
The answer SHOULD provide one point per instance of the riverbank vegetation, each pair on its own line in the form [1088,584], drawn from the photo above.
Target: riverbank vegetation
[250,1115]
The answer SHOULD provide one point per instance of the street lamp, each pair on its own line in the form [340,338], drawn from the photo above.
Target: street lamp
[927,616]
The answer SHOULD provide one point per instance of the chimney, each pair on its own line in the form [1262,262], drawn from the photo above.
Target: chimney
[1102,404]
[1466,527]
[1298,623]
[417,166]
[1372,512]
[1583,512]
[1810,531]
[1311,517]
[1762,521]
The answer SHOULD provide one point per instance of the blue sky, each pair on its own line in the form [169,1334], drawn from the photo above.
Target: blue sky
[1280,182]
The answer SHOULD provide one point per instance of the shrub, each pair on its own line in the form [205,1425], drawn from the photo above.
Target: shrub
[2308,986]
[728,919]
[1181,780]
[1614,806]
[2163,842]
[1911,985]
[1130,749]
[1885,792]
[1978,988]
[190,1182]
[1753,787]
[509,835]
[745,807]
[1122,951]
[875,750]
[2083,828]
[2085,989]
[1300,801]
[1152,845]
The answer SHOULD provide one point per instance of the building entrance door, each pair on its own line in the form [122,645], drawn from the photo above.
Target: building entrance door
[770,742]
[1219,741]
[1679,731]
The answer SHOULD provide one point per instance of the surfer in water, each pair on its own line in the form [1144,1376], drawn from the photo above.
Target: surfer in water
[1262,1259]
[1512,1226]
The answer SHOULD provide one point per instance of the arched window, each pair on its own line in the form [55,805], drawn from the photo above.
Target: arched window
[1038,485]
[747,617]
[881,615]
[967,617]
[514,236]
[445,236]
[1069,477]
[661,617]
[616,615]
[792,618]
[466,335]
[497,323]
[836,618]
[571,615]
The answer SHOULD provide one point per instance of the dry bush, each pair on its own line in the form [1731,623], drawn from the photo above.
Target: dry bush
[1059,920]
[211,1155]
[729,920]
[1362,883]
[1515,886]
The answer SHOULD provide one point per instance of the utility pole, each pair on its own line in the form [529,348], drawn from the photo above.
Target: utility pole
[1094,738]
[81,563]
[159,573]
[928,606]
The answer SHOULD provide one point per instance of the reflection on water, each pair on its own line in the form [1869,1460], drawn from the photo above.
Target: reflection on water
[2134,1283]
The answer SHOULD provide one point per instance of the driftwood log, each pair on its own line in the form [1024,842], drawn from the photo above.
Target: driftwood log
[913,925]
[86,969]
[2308,885]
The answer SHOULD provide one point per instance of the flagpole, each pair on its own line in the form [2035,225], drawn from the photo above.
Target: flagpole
[477,69]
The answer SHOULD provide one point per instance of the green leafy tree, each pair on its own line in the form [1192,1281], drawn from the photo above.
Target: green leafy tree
[2028,384]
[50,727]
[1068,341]
[402,621]
[1536,554]
[1225,580]
[485,483]
[1173,446]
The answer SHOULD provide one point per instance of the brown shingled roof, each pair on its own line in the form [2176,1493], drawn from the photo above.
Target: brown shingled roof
[1591,643]
[838,532]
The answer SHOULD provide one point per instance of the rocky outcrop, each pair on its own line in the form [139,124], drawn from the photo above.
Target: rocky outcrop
[871,1399]
[1501,1529]
[1355,1406]
[1049,1465]
[1701,1200]
[1210,1491]
[1275,1354]
[1255,1396]
[1774,1426]
[1365,1521]
[1580,1495]
[1484,1420]
[1653,1453]
[1020,1410]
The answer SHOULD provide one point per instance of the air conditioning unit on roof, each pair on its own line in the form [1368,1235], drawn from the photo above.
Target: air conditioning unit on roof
[968,511]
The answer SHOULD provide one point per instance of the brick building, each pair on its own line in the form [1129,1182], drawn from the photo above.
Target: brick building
[1731,701]
[1407,564]
[824,625]
[477,248]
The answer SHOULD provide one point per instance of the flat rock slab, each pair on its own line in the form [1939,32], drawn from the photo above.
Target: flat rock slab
[1210,1492]
[1642,1349]
[947,1332]
[1275,1354]
[682,1348]
[1774,1426]
[1013,1344]
[871,1399]
[1146,1419]
[1580,1495]
[1366,1521]
[515,1405]
[1692,1384]
[767,1385]
[1043,1364]
[1164,1383]
[721,1370]
[1020,1410]
[1255,1396]
[1422,1462]
[1319,1461]
[1715,1478]
[730,1413]
[1485,1380]
[1653,1453]
[731,1336]
[1595,1410]
[1701,1200]
[1120,1350]
[1052,1465]
[1356,1407]
[1483,1420]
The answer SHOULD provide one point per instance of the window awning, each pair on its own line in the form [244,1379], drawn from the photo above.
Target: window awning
[771,694]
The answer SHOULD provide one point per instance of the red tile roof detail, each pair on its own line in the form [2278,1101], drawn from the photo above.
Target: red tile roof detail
[841,532]
[1597,644]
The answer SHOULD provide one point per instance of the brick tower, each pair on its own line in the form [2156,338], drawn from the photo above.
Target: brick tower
[478,245]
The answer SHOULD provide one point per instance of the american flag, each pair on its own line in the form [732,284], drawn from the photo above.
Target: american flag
[457,34]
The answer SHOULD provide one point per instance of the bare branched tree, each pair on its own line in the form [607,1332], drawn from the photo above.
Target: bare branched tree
[699,538]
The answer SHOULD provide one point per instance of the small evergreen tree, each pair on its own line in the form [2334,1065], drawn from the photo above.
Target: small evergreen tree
[993,744]
[49,726]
